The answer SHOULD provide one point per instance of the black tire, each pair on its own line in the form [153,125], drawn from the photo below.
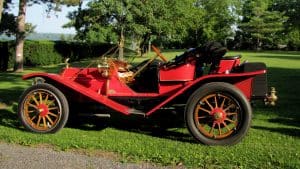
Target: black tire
[43,109]
[218,114]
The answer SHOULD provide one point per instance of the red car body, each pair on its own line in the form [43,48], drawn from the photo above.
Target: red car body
[109,85]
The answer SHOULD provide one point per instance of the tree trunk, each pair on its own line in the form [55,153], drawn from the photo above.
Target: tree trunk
[20,36]
[121,45]
[258,48]
[1,9]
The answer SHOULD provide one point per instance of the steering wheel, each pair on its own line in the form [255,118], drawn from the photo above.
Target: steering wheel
[157,51]
[150,61]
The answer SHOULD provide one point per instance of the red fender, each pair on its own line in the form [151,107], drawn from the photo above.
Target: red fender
[83,90]
[214,77]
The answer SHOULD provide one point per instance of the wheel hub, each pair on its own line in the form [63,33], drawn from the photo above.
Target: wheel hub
[43,110]
[218,115]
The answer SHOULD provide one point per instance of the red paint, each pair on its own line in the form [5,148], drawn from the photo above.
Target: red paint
[173,82]
[226,65]
[43,109]
[185,72]
[218,114]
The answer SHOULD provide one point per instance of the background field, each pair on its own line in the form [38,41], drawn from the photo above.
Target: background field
[273,140]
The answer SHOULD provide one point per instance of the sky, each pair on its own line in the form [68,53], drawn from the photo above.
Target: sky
[52,23]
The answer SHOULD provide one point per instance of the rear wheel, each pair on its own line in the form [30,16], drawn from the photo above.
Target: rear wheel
[43,109]
[218,114]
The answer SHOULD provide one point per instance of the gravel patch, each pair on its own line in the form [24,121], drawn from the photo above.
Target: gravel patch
[21,157]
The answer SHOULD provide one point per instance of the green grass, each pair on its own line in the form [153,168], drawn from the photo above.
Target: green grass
[273,140]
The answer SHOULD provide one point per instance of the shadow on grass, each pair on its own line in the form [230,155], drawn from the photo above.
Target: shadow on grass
[170,128]
[286,82]
[286,131]
[10,95]
[286,57]
[286,121]
[9,119]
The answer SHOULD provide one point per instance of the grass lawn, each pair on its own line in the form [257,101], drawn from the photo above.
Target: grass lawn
[273,140]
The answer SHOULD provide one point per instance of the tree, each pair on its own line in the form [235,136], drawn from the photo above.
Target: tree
[219,17]
[20,36]
[104,21]
[291,9]
[21,26]
[141,20]
[8,23]
[1,9]
[261,26]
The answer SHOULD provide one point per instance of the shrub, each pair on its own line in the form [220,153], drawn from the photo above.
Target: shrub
[49,52]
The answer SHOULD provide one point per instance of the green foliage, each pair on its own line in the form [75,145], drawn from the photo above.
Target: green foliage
[158,19]
[48,52]
[291,8]
[273,140]
[41,53]
[219,17]
[261,26]
[294,39]
[186,23]
[7,22]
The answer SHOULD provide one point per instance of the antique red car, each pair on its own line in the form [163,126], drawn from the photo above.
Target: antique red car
[216,91]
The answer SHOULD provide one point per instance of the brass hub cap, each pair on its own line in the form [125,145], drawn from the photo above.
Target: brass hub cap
[218,115]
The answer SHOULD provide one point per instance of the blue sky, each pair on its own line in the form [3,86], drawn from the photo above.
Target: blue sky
[37,15]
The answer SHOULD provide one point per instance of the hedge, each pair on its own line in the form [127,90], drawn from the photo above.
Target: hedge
[49,52]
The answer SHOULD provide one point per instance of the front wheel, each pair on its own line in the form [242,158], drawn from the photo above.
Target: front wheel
[218,114]
[43,109]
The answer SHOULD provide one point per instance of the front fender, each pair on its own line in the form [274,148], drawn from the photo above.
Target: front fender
[56,79]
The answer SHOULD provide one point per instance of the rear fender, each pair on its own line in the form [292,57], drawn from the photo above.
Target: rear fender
[243,81]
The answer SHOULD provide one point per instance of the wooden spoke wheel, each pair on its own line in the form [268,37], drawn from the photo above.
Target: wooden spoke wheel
[218,114]
[43,109]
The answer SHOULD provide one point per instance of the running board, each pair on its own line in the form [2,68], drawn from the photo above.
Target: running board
[96,115]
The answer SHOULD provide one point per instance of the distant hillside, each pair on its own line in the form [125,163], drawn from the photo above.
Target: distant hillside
[42,36]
